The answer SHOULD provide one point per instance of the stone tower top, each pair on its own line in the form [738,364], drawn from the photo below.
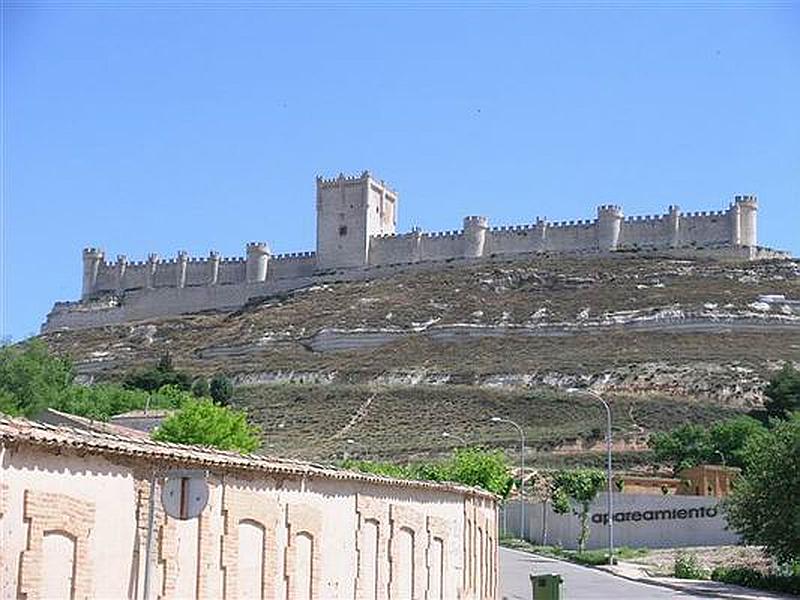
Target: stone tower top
[748,199]
[350,211]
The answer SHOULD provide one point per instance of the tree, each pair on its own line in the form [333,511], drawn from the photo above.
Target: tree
[31,379]
[154,378]
[693,445]
[221,390]
[683,447]
[783,392]
[480,468]
[468,466]
[101,402]
[579,486]
[730,437]
[204,423]
[763,506]
[200,387]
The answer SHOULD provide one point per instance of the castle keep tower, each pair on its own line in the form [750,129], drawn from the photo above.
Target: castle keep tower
[744,213]
[350,210]
[609,226]
[92,259]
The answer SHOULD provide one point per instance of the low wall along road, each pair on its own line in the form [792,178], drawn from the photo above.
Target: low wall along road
[640,521]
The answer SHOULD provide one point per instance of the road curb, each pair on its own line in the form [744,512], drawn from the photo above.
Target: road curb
[727,594]
[665,584]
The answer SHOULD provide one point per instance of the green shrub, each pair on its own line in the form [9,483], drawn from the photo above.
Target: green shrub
[154,378]
[204,423]
[688,567]
[488,469]
[788,584]
[200,387]
[32,379]
[763,505]
[692,445]
[384,469]
[100,402]
[783,392]
[468,466]
[221,390]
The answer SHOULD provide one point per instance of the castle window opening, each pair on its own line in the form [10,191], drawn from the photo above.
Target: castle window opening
[343,230]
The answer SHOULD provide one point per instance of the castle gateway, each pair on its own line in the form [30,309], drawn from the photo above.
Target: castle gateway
[356,235]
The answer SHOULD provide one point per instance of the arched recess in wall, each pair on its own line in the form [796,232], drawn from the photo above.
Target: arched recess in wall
[403,564]
[372,547]
[251,523]
[58,558]
[438,563]
[302,576]
[66,532]
[252,542]
[436,569]
[481,584]
[479,561]
[407,552]
[368,560]
[302,564]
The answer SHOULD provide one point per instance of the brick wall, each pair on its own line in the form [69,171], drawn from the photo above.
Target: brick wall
[314,537]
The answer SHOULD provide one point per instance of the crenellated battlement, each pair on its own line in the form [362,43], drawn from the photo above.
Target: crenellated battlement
[645,218]
[259,246]
[343,179]
[356,229]
[294,255]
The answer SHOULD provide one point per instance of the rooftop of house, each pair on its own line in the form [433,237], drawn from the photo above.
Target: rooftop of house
[104,443]
[57,418]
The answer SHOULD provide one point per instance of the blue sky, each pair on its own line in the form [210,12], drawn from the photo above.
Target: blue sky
[153,130]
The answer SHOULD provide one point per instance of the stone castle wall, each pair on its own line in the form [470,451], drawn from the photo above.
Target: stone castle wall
[356,221]
[669,231]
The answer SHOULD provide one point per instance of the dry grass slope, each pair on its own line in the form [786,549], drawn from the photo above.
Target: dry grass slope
[662,379]
[406,423]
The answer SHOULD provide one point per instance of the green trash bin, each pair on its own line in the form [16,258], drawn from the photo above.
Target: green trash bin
[547,587]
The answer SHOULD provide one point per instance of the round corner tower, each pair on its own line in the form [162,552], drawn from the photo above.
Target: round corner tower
[475,236]
[744,213]
[609,227]
[258,254]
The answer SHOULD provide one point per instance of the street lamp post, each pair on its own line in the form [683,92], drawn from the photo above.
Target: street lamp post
[522,472]
[458,438]
[609,474]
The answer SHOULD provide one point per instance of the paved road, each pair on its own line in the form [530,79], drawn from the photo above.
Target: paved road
[580,583]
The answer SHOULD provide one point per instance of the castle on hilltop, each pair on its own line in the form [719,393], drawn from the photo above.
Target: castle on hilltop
[356,222]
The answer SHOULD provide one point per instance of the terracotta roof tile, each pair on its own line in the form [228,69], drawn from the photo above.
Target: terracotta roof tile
[17,430]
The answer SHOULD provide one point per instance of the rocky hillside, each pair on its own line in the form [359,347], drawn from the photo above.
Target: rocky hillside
[686,333]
